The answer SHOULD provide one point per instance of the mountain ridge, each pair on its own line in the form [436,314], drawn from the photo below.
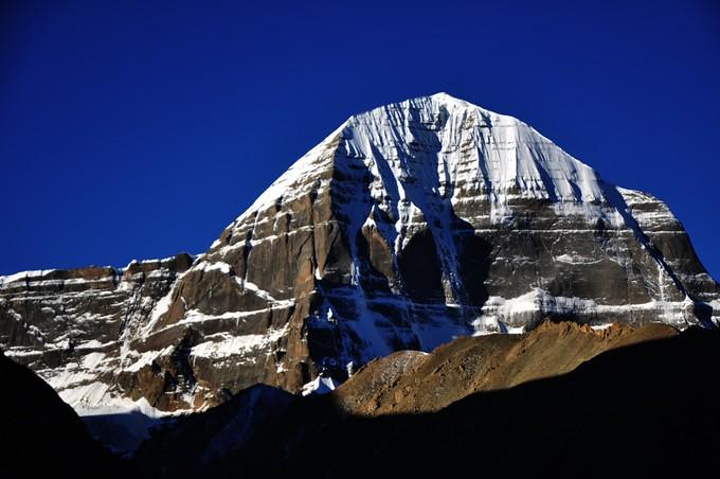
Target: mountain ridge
[409,225]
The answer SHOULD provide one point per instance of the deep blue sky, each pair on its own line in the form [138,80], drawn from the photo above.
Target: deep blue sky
[137,131]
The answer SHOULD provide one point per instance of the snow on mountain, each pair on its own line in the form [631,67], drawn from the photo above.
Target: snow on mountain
[409,225]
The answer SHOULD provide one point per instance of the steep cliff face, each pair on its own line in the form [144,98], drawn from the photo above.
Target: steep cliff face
[71,326]
[409,225]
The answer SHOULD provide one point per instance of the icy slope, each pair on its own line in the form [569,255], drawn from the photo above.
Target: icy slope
[407,226]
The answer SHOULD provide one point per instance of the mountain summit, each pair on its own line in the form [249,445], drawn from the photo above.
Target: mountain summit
[409,225]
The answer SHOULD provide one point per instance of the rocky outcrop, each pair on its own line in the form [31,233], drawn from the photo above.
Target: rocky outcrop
[71,326]
[417,382]
[409,225]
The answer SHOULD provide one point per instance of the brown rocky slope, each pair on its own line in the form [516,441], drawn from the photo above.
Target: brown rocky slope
[412,382]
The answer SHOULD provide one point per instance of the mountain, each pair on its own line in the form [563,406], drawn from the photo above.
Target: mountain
[70,326]
[408,226]
[644,410]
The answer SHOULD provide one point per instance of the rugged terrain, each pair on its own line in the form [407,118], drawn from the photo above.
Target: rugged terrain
[408,226]
[644,410]
[72,326]
[416,382]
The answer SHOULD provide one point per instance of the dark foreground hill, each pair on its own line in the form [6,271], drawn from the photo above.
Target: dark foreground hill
[645,410]
[42,436]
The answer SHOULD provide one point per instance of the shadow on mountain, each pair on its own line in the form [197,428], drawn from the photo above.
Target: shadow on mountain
[43,437]
[121,433]
[647,410]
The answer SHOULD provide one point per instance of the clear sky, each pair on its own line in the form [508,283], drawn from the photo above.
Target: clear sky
[141,129]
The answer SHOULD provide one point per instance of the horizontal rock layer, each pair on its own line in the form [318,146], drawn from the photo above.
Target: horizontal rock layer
[72,326]
[409,225]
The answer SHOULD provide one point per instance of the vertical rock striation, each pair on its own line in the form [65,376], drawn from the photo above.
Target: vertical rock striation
[409,225]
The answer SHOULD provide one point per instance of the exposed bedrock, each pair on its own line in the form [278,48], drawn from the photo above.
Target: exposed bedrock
[408,226]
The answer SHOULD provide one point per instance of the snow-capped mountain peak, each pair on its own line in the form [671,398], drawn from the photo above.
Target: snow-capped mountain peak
[409,225]
[448,145]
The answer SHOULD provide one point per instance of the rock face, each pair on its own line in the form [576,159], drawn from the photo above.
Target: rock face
[409,225]
[71,326]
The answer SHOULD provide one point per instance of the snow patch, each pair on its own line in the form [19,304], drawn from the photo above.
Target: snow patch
[499,313]
[261,293]
[223,345]
[119,423]
[162,307]
[134,361]
[576,259]
[319,385]
[92,360]
[24,276]
[216,266]
[94,344]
